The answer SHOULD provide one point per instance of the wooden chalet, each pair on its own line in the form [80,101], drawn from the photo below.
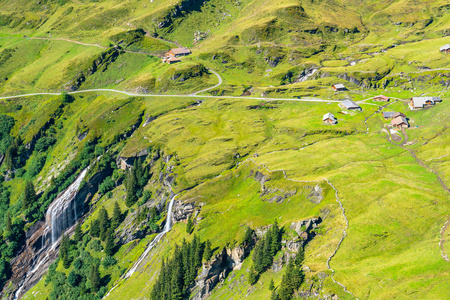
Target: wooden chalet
[171,60]
[329,119]
[400,122]
[339,87]
[421,102]
[381,98]
[350,105]
[177,52]
[445,49]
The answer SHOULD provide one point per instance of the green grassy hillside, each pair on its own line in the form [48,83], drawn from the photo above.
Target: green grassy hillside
[385,194]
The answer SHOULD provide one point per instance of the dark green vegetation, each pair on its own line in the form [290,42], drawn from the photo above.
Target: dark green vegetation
[179,272]
[264,252]
[234,164]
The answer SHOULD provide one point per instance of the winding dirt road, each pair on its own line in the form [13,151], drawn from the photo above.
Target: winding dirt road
[170,96]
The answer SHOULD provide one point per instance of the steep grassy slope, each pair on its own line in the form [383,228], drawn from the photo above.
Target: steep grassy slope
[252,43]
[394,206]
[395,195]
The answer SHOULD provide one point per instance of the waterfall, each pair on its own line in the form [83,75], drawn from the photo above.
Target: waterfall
[60,216]
[155,241]
[152,244]
[306,75]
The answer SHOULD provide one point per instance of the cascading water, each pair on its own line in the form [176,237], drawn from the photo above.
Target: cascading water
[153,243]
[60,216]
[307,74]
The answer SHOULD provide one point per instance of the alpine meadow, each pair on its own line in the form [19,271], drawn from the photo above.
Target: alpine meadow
[224,149]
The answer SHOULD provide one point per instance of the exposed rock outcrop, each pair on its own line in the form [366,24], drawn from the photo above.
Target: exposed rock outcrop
[182,211]
[305,231]
[215,271]
[315,194]
[41,247]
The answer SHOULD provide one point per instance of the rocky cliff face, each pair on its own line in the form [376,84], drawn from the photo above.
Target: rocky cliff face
[215,271]
[41,247]
[229,259]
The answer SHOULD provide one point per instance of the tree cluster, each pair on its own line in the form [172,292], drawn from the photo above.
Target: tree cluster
[292,278]
[265,251]
[180,271]
[103,227]
[84,280]
[135,180]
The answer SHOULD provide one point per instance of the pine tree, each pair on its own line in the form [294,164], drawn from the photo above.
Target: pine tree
[300,257]
[95,228]
[267,252]
[8,222]
[117,216]
[253,276]
[95,277]
[78,236]
[207,254]
[271,285]
[29,195]
[109,247]
[248,237]
[131,197]
[64,251]
[274,295]
[274,236]
[198,250]
[104,223]
[189,225]
[177,284]
[292,279]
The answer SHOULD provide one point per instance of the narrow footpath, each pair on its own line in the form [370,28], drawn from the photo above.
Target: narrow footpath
[344,231]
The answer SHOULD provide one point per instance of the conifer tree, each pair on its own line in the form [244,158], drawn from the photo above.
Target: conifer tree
[274,295]
[8,222]
[117,216]
[29,195]
[271,285]
[189,225]
[95,277]
[300,257]
[177,284]
[274,237]
[207,254]
[131,197]
[95,228]
[248,236]
[78,236]
[253,276]
[64,251]
[109,247]
[104,223]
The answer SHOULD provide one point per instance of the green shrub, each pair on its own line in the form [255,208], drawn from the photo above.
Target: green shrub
[95,245]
